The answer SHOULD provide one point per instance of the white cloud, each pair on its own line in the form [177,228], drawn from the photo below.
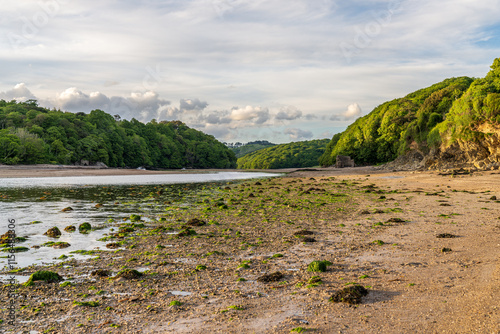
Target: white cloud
[288,113]
[19,93]
[256,115]
[255,47]
[297,134]
[194,104]
[353,111]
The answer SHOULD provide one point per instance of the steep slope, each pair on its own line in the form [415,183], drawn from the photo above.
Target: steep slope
[470,134]
[397,126]
[291,155]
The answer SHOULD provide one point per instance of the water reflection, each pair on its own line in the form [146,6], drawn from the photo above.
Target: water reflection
[101,201]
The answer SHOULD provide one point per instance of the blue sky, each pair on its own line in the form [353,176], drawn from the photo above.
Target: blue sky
[279,70]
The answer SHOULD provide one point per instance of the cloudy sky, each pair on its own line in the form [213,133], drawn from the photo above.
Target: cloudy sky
[241,70]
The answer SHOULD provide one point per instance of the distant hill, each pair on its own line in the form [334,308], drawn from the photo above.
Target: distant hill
[291,155]
[452,123]
[34,135]
[243,149]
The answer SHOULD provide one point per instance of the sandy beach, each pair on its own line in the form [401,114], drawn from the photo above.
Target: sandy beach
[425,246]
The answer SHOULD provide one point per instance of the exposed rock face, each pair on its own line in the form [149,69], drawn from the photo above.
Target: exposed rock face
[483,153]
[344,161]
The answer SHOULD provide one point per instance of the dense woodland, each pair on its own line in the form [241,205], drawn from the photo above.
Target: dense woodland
[244,149]
[30,134]
[297,154]
[395,126]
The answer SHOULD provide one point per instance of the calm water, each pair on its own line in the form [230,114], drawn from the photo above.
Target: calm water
[42,199]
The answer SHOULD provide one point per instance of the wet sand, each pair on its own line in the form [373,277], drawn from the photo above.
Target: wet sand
[378,229]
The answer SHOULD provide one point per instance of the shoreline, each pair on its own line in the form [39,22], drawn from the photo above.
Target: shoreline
[28,171]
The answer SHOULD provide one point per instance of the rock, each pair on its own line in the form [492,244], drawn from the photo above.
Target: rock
[480,164]
[307,239]
[446,235]
[350,295]
[274,277]
[67,209]
[135,218]
[318,266]
[53,232]
[47,276]
[61,245]
[70,228]
[186,233]
[113,245]
[84,227]
[129,274]
[101,273]
[196,222]
[302,233]
[6,236]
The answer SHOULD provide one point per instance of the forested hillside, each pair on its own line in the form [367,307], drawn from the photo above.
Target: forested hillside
[394,127]
[291,155]
[30,134]
[244,149]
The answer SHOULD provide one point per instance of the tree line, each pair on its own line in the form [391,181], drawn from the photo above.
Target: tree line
[30,134]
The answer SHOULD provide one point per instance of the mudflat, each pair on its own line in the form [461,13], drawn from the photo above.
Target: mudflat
[424,247]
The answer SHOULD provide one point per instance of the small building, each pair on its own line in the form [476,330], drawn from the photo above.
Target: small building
[344,161]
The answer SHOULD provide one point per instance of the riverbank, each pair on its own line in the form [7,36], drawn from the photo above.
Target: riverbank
[380,230]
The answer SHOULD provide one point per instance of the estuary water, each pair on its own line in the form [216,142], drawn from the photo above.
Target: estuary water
[36,204]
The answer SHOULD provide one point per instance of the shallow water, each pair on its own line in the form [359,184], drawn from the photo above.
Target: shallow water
[42,199]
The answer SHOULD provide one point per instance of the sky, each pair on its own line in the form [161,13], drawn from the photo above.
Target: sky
[240,70]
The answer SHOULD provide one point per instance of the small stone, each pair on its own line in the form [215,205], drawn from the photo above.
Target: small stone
[101,273]
[274,277]
[61,245]
[53,232]
[350,295]
[70,228]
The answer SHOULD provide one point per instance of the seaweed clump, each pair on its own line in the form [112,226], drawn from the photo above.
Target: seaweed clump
[129,273]
[43,275]
[351,295]
[274,277]
[53,232]
[318,266]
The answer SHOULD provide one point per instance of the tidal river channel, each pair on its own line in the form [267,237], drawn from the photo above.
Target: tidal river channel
[37,205]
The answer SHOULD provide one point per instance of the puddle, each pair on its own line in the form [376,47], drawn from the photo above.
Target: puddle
[20,279]
[392,177]
[181,293]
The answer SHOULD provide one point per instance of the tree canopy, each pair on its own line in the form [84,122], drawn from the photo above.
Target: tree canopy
[291,155]
[31,134]
[394,127]
[244,149]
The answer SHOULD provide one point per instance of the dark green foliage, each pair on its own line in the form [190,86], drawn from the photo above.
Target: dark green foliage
[31,134]
[292,155]
[42,275]
[318,266]
[84,227]
[395,126]
[479,105]
[242,150]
